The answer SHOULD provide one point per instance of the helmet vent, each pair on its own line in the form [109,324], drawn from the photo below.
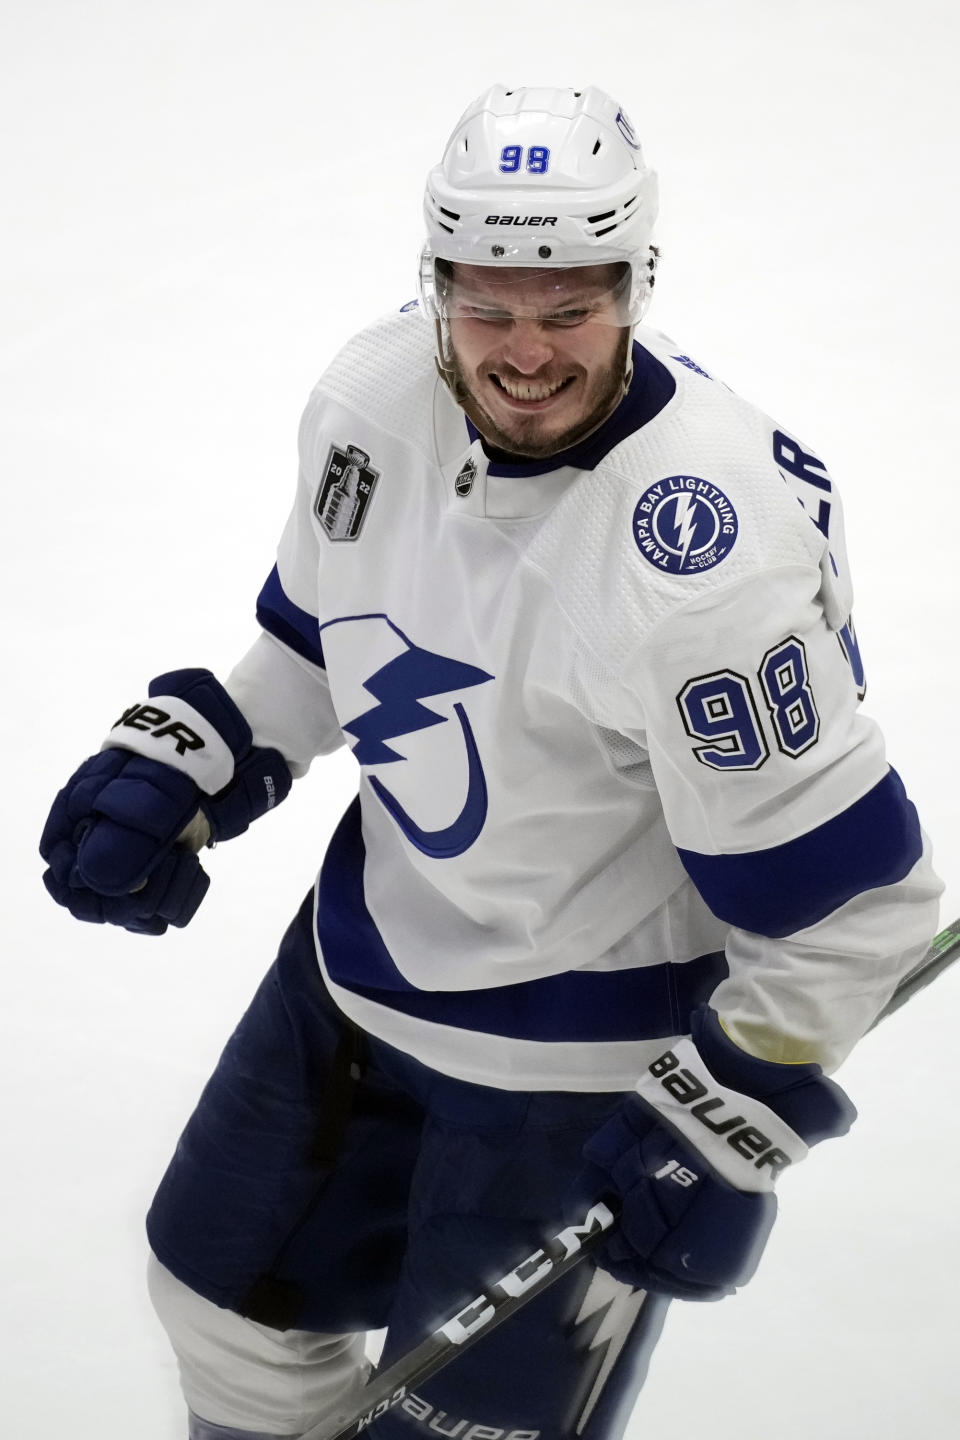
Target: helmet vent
[596,147]
[594,219]
[451,215]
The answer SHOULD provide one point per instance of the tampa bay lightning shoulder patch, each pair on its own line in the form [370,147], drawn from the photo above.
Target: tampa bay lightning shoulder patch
[684,525]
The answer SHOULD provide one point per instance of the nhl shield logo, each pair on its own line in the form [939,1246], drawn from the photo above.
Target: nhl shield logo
[345,492]
[464,481]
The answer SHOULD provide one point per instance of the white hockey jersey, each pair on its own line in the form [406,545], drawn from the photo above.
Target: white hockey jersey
[605,712]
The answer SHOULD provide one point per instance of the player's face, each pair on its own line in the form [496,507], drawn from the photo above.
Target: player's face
[539,356]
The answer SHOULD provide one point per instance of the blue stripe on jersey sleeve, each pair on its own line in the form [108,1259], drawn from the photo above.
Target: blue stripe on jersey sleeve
[645,1003]
[776,892]
[287,622]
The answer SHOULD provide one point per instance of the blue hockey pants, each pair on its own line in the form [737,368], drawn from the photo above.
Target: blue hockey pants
[326,1182]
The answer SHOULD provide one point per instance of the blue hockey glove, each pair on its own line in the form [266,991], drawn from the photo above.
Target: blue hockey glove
[694,1156]
[111,840]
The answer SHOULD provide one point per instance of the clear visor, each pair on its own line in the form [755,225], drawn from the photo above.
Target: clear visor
[568,297]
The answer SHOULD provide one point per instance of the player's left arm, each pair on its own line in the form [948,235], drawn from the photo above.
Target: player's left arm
[797,832]
[788,818]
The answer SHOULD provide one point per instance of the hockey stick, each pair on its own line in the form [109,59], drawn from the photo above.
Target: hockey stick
[497,1302]
[943,951]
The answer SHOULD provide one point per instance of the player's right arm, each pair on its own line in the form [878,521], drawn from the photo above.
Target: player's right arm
[194,761]
[178,769]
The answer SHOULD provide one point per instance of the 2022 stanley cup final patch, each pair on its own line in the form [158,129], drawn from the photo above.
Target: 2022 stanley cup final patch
[684,525]
[347,487]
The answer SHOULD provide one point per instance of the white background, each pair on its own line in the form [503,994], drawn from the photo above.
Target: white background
[200,201]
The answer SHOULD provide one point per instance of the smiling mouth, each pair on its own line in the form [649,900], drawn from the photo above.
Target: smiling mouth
[530,391]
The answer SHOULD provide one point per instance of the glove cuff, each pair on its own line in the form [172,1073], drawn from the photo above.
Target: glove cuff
[261,781]
[810,1103]
[189,723]
[743,1139]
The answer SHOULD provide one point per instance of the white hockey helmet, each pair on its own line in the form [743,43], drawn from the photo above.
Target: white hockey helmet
[544,178]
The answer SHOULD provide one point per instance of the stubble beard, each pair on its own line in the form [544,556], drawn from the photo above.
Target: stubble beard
[521,439]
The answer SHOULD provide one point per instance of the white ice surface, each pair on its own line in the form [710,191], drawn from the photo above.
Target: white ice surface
[200,200]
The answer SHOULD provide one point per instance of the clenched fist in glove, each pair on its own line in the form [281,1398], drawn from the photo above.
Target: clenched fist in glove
[111,840]
[694,1156]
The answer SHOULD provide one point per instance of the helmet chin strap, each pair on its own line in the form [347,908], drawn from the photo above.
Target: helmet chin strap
[444,370]
[628,368]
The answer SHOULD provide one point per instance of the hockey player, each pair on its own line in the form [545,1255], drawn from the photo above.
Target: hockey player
[627,875]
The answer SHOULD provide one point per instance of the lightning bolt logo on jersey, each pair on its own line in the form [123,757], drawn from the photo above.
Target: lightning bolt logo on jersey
[684,525]
[398,686]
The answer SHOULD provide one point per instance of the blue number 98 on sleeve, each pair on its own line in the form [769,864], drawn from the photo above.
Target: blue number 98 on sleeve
[720,711]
